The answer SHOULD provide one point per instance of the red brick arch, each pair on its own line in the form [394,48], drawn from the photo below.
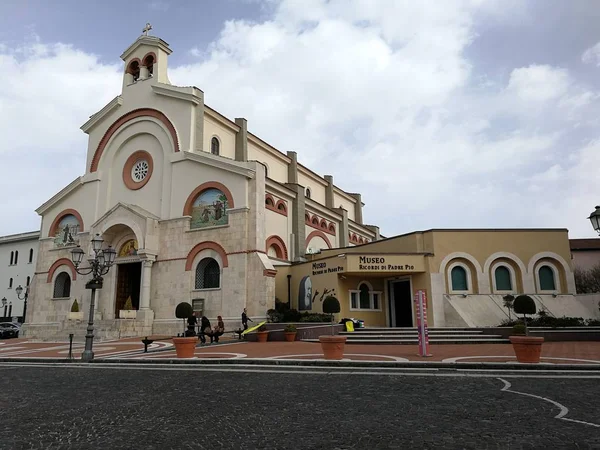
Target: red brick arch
[146,56]
[129,70]
[280,248]
[57,264]
[53,227]
[142,112]
[204,246]
[281,206]
[187,208]
[320,234]
[270,197]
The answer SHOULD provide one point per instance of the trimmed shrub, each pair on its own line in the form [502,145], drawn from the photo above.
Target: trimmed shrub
[290,328]
[519,329]
[524,304]
[184,311]
[331,305]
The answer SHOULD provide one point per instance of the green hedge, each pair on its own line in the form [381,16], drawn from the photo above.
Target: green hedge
[283,314]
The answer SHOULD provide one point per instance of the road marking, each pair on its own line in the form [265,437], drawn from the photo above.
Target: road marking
[458,358]
[563,409]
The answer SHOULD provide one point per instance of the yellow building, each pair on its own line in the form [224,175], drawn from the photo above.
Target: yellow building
[465,274]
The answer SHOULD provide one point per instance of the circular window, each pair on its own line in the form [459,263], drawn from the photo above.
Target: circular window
[137,170]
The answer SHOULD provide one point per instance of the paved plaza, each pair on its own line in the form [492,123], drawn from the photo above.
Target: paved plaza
[132,349]
[131,407]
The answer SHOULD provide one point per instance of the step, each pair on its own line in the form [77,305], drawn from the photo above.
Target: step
[415,341]
[431,336]
[411,332]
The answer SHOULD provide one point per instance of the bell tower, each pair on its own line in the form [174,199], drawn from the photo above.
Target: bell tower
[146,60]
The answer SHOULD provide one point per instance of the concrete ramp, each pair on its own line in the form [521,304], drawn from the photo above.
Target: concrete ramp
[488,310]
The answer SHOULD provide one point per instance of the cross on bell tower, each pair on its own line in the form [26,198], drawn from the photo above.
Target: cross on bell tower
[147,28]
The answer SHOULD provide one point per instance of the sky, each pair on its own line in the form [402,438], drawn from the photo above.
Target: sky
[453,114]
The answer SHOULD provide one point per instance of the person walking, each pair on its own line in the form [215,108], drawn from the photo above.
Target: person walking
[245,319]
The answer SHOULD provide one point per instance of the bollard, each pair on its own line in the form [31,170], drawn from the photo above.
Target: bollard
[71,346]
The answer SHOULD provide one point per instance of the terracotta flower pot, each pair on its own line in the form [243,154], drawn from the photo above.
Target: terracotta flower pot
[290,336]
[185,346]
[262,336]
[333,346]
[528,349]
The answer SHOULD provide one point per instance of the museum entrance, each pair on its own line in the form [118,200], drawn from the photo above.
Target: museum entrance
[401,303]
[129,278]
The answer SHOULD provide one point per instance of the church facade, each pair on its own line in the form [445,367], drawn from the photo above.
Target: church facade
[197,208]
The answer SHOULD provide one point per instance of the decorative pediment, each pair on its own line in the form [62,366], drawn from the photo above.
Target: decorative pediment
[127,215]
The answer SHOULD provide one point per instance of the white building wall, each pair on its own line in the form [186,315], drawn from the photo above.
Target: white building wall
[22,243]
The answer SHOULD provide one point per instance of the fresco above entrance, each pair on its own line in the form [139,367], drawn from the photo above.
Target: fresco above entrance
[129,248]
[209,209]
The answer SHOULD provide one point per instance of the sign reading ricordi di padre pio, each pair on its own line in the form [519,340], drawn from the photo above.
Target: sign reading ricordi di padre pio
[386,263]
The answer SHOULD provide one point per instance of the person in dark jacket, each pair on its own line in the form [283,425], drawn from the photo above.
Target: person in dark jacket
[205,329]
[245,319]
[192,322]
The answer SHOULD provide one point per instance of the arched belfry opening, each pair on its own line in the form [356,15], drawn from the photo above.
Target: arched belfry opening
[146,59]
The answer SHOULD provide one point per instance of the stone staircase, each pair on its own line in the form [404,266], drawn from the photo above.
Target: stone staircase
[409,336]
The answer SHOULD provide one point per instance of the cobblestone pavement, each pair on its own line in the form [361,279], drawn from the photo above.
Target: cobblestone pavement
[127,408]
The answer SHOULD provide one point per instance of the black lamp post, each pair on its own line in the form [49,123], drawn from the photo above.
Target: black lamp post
[99,266]
[4,301]
[19,291]
[595,219]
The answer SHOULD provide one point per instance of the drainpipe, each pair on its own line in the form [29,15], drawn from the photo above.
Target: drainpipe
[289,278]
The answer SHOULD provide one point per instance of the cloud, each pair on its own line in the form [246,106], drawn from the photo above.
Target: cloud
[158,5]
[380,95]
[592,55]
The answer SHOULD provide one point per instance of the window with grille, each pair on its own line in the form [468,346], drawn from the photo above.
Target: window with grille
[214,146]
[503,280]
[459,279]
[208,274]
[547,282]
[62,286]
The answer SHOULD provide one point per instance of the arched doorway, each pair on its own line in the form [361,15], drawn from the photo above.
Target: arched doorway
[128,267]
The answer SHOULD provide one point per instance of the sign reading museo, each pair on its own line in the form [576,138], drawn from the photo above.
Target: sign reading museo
[379,264]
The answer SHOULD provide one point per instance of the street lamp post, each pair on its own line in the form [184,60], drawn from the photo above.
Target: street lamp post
[595,219]
[99,266]
[19,291]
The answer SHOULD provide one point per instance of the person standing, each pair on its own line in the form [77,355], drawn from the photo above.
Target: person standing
[245,319]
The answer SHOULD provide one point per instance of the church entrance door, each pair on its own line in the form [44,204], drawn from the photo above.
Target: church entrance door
[129,278]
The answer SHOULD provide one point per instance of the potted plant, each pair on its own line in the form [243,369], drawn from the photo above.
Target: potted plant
[333,346]
[75,314]
[128,312]
[290,332]
[527,348]
[184,346]
[262,334]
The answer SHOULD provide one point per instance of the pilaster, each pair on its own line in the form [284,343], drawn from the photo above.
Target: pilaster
[241,140]
[293,168]
[298,222]
[343,228]
[358,218]
[329,192]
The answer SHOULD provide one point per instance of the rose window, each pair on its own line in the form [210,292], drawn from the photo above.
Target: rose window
[139,171]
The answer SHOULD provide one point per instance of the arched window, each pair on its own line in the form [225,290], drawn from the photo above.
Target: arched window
[459,279]
[16,257]
[281,207]
[28,281]
[208,274]
[214,146]
[503,279]
[365,298]
[62,285]
[307,193]
[149,63]
[12,258]
[30,255]
[547,281]
[10,283]
[134,70]
[365,301]
[269,202]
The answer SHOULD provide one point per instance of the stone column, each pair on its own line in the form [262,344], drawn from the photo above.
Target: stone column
[375,229]
[241,140]
[144,311]
[144,74]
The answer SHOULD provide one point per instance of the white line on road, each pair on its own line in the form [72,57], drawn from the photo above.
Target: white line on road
[563,409]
